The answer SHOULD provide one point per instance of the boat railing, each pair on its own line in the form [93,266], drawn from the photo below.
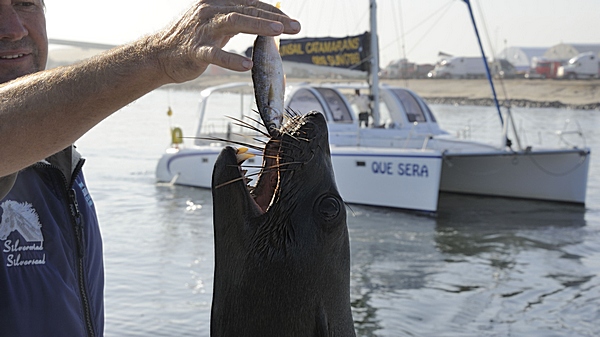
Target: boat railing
[426,141]
[411,132]
[565,132]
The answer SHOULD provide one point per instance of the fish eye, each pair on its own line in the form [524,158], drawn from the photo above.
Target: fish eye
[329,207]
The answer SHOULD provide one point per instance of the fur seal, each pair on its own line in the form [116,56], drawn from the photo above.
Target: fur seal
[282,255]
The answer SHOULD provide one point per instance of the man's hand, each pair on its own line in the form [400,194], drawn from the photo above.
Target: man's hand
[196,40]
[53,108]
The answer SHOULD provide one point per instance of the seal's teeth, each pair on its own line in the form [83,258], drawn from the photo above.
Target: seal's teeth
[244,172]
[242,155]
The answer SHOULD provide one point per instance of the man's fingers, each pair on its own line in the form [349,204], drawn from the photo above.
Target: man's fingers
[218,57]
[194,41]
[267,7]
[234,23]
[246,3]
[250,20]
[267,12]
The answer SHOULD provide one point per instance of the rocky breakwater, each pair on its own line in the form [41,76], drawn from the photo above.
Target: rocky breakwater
[578,94]
[572,94]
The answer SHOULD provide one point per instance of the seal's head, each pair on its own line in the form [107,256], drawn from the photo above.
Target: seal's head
[282,260]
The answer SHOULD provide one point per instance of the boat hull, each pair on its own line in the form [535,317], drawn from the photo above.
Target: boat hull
[189,166]
[407,179]
[557,175]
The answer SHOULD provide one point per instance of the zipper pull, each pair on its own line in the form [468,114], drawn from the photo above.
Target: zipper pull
[74,206]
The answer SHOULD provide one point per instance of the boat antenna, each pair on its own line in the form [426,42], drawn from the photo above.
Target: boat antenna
[487,67]
[374,70]
[402,49]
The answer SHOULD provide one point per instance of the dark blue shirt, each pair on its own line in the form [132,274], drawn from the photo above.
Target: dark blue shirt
[51,267]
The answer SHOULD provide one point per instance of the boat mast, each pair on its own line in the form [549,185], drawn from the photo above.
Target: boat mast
[487,68]
[374,76]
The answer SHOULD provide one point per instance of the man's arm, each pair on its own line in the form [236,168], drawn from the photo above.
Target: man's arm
[42,113]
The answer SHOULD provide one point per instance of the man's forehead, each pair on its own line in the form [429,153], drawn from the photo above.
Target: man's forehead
[37,2]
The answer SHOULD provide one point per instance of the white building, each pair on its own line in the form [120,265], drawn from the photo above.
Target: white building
[521,57]
[565,51]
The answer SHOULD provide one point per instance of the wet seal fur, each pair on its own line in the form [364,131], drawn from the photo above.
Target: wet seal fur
[282,256]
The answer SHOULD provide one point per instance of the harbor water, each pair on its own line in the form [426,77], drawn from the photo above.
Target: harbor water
[481,266]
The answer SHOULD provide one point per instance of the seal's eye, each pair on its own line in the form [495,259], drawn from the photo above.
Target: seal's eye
[329,208]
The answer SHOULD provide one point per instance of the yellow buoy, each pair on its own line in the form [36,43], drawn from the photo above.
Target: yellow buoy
[176,136]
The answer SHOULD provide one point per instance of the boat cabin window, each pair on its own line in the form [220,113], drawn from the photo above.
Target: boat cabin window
[386,120]
[305,101]
[338,107]
[430,114]
[411,106]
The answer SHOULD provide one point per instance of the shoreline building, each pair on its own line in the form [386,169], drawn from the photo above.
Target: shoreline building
[566,51]
[522,57]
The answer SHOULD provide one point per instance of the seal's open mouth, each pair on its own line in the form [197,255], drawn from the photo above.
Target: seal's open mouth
[286,151]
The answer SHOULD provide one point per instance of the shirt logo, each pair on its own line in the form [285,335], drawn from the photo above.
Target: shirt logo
[23,219]
[86,194]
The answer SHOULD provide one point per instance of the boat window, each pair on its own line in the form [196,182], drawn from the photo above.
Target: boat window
[338,107]
[430,115]
[425,107]
[305,101]
[385,117]
[411,106]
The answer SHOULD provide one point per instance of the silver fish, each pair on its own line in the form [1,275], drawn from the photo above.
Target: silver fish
[269,82]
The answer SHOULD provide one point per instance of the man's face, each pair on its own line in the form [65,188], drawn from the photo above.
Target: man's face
[23,40]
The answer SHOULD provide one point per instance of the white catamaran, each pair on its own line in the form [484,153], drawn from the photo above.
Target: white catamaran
[402,159]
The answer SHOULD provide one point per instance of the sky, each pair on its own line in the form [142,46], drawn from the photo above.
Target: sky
[415,29]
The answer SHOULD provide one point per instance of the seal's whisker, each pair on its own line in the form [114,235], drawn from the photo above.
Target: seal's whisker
[270,156]
[297,138]
[304,139]
[287,170]
[277,166]
[253,128]
[230,182]
[258,148]
[348,205]
[242,123]
[252,174]
[253,166]
[292,113]
[257,121]
[291,136]
[241,135]
[305,132]
[288,143]
[246,176]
